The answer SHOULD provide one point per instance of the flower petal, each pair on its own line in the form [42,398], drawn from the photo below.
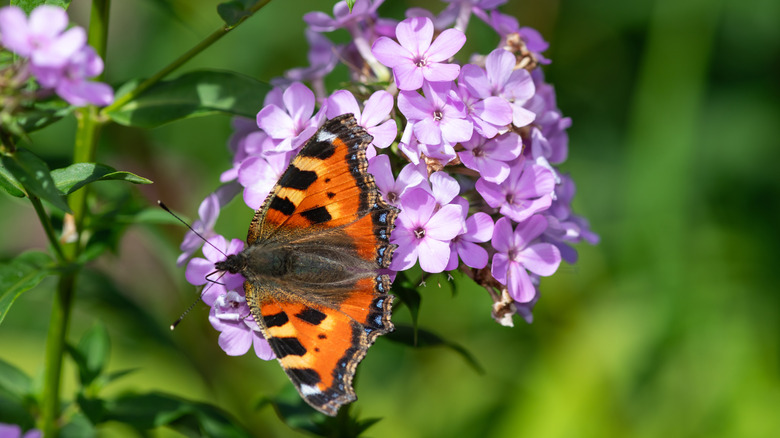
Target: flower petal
[503,236]
[390,53]
[342,102]
[433,255]
[541,258]
[415,34]
[446,45]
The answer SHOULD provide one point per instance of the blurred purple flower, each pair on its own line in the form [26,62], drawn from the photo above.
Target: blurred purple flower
[527,190]
[41,38]
[416,58]
[439,117]
[15,431]
[71,80]
[208,212]
[258,175]
[374,118]
[293,124]
[517,252]
[342,16]
[491,157]
[534,43]
[421,232]
[198,269]
[230,315]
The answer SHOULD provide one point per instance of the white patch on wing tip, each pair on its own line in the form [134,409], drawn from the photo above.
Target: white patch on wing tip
[309,390]
[325,136]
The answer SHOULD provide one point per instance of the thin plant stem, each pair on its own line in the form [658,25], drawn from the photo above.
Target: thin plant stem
[178,62]
[48,228]
[88,126]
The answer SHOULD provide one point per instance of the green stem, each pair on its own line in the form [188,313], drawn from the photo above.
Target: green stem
[85,148]
[181,60]
[48,228]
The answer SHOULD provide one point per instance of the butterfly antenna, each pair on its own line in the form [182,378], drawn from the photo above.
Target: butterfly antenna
[165,207]
[175,323]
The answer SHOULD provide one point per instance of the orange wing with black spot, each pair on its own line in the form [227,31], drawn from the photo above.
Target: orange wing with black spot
[313,264]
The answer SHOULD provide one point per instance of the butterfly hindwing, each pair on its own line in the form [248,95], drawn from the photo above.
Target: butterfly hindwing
[319,346]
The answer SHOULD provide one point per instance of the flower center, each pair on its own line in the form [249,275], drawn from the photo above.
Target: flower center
[392,197]
[478,152]
[510,198]
[419,233]
[437,115]
[420,62]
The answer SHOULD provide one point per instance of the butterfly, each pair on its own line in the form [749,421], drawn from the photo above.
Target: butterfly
[313,264]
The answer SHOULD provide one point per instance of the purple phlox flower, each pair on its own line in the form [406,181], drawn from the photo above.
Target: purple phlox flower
[478,229]
[411,176]
[516,253]
[230,315]
[534,43]
[527,190]
[565,227]
[503,24]
[208,212]
[416,58]
[539,150]
[342,16]
[424,233]
[374,118]
[438,117]
[323,58]
[259,174]
[71,80]
[15,431]
[409,145]
[464,9]
[490,114]
[491,157]
[41,38]
[549,119]
[247,140]
[525,310]
[293,124]
[503,80]
[442,21]
[444,188]
[198,269]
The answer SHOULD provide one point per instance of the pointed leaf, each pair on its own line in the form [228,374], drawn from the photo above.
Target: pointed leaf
[78,427]
[33,173]
[91,354]
[193,94]
[20,274]
[29,5]
[76,176]
[14,381]
[9,183]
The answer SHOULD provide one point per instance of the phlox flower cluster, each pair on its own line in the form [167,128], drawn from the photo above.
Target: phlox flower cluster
[56,56]
[466,146]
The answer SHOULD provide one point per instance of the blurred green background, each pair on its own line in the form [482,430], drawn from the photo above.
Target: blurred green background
[669,327]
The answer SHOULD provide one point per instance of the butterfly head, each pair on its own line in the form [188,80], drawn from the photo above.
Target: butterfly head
[234,263]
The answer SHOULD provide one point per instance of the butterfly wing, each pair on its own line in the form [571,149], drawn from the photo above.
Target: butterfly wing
[326,207]
[319,346]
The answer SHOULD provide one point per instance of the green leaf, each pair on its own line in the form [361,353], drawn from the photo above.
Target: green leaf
[146,411]
[29,5]
[193,94]
[236,11]
[78,427]
[21,274]
[9,183]
[91,355]
[43,115]
[33,173]
[14,381]
[350,4]
[407,335]
[76,176]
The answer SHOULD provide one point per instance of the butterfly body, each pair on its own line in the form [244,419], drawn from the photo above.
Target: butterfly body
[313,264]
